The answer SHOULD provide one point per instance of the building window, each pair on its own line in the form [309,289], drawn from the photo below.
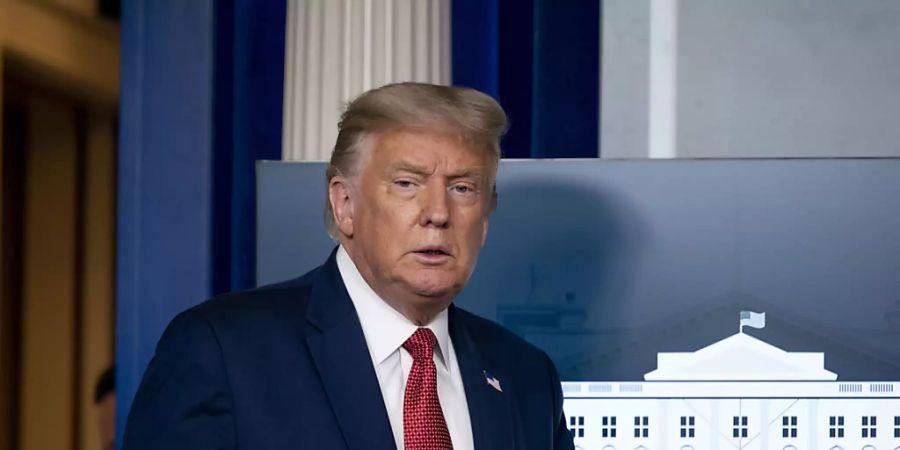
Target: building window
[576,426]
[897,426]
[868,426]
[608,430]
[740,427]
[836,426]
[789,426]
[641,426]
[687,426]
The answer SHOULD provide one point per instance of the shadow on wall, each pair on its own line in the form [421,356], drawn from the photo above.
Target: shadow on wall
[559,255]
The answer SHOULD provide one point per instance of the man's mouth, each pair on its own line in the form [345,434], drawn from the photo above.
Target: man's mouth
[433,251]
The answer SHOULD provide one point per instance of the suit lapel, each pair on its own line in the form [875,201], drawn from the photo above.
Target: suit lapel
[490,410]
[344,364]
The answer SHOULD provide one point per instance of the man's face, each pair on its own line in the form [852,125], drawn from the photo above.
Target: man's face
[419,217]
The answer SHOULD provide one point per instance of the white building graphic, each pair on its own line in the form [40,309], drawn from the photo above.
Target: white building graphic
[739,393]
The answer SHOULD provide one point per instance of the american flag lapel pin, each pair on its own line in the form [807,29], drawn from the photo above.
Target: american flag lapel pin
[495,383]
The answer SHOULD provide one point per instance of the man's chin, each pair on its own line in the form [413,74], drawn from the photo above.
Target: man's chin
[433,292]
[437,291]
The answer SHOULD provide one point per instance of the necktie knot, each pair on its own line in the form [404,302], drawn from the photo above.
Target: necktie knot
[421,345]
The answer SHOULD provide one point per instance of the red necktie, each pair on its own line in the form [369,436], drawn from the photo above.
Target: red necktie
[424,427]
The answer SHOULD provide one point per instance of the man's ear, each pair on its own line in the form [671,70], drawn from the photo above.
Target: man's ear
[340,194]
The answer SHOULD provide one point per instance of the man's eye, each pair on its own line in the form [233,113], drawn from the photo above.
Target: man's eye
[463,189]
[403,183]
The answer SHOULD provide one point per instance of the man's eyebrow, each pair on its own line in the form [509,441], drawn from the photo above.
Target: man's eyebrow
[404,166]
[466,172]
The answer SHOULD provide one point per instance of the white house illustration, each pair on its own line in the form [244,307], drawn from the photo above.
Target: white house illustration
[739,393]
[740,357]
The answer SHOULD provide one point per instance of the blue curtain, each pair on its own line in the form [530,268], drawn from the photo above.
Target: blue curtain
[200,102]
[248,105]
[541,60]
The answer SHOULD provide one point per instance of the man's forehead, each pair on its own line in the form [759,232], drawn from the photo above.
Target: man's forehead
[420,137]
[425,152]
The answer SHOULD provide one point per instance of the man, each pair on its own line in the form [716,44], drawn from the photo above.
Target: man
[367,351]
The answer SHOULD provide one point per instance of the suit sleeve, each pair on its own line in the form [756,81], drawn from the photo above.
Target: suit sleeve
[562,438]
[184,401]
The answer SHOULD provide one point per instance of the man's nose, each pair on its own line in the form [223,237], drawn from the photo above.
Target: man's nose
[435,207]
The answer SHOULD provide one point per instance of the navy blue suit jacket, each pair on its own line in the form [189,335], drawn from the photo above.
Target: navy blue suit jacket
[287,367]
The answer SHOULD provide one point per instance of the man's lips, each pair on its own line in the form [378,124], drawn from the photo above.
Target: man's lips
[432,254]
[434,250]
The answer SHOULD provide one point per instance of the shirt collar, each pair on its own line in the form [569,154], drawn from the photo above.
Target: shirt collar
[384,327]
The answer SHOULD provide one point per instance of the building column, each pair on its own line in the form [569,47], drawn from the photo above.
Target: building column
[336,50]
[813,419]
[662,424]
[715,411]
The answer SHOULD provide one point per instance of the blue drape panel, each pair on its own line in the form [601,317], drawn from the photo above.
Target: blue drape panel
[566,110]
[475,32]
[541,60]
[201,100]
[165,176]
[516,69]
[248,106]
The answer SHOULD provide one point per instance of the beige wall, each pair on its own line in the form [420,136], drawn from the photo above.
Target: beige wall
[64,61]
[5,340]
[48,293]
[98,267]
[66,305]
[77,53]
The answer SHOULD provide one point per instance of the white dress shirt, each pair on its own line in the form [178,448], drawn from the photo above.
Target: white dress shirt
[386,330]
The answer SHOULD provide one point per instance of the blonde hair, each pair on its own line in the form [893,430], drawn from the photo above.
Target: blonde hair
[469,114]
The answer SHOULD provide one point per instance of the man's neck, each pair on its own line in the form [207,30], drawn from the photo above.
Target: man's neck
[402,302]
